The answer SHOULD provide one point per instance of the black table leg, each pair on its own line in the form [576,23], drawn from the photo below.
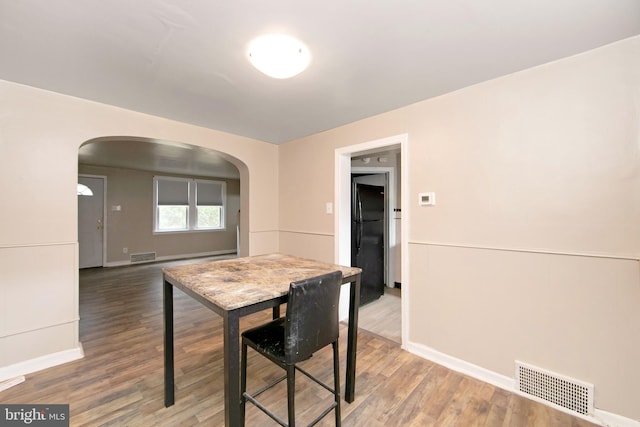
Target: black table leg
[169,397]
[276,312]
[352,340]
[231,324]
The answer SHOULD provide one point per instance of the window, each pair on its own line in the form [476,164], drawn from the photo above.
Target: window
[183,204]
[209,204]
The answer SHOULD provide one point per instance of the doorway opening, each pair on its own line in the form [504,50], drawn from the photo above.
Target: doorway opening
[129,232]
[374,165]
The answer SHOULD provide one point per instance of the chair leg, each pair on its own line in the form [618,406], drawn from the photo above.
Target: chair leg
[291,394]
[336,382]
[243,382]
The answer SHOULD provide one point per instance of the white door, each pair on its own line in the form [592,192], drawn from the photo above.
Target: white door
[91,223]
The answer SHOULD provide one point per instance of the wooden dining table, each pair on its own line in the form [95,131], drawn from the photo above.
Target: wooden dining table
[237,287]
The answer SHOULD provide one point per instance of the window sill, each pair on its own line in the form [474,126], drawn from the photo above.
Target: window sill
[203,230]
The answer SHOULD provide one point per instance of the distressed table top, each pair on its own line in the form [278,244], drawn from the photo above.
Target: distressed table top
[239,282]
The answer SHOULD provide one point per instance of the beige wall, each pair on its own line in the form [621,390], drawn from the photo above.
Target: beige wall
[532,250]
[132,227]
[40,133]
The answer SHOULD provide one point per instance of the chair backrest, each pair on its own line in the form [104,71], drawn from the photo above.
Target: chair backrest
[312,315]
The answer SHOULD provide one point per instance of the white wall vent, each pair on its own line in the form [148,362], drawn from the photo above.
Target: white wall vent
[558,389]
[143,257]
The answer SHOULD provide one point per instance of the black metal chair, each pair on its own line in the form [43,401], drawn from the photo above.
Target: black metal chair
[311,323]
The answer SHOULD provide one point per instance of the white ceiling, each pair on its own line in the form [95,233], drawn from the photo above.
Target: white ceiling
[186,60]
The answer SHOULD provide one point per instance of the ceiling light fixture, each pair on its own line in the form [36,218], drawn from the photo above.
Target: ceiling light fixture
[279,56]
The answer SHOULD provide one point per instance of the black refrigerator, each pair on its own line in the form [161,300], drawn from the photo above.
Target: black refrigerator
[367,238]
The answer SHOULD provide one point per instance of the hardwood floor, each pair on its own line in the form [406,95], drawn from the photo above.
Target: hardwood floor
[119,382]
[382,316]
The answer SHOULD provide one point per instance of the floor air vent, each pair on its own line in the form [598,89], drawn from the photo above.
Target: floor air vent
[563,391]
[143,257]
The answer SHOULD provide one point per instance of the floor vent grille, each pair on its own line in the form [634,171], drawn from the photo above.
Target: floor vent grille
[563,391]
[143,257]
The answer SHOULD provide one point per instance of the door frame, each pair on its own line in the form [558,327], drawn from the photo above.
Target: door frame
[342,218]
[104,216]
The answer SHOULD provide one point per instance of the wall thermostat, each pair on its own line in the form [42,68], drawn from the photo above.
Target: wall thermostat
[427,199]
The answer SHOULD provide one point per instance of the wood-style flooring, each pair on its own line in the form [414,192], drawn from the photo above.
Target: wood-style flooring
[382,316]
[119,382]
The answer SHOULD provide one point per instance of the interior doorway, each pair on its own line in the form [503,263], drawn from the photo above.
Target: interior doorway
[370,155]
[130,163]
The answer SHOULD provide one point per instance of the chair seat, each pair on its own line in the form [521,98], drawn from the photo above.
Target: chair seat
[267,338]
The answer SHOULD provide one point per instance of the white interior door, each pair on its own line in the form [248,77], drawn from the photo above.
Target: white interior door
[91,223]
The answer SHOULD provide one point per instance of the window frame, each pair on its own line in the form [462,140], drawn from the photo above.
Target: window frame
[192,207]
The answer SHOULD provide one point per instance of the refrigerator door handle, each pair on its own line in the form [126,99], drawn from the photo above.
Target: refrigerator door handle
[358,221]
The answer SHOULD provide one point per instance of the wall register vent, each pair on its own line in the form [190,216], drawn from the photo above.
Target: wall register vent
[576,396]
[143,257]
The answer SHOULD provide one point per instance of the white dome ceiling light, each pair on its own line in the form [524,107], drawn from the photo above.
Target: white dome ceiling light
[279,56]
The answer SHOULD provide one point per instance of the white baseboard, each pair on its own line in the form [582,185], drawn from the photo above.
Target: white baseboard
[173,258]
[599,416]
[613,420]
[40,363]
[461,366]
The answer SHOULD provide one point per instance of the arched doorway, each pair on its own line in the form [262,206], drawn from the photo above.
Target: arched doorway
[129,166]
